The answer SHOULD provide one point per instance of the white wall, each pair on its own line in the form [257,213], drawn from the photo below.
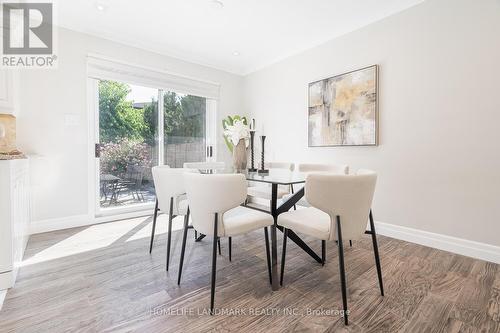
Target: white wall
[60,174]
[439,154]
[438,158]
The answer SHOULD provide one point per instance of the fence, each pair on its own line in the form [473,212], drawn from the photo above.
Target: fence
[179,150]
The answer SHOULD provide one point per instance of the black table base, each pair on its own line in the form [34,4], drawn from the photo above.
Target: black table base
[199,238]
[297,240]
[275,211]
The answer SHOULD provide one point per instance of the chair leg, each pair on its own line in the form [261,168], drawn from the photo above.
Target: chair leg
[214,265]
[291,190]
[350,243]
[268,256]
[283,255]
[323,252]
[155,215]
[375,251]
[195,234]
[183,249]
[169,235]
[230,247]
[218,245]
[342,271]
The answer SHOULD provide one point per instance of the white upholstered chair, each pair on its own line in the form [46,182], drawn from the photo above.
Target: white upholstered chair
[170,199]
[263,191]
[206,166]
[340,210]
[340,169]
[214,203]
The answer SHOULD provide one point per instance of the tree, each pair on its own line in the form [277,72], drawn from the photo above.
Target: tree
[194,116]
[117,116]
[173,112]
[150,130]
[184,115]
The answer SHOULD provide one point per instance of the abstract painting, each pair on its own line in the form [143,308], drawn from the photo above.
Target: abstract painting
[343,109]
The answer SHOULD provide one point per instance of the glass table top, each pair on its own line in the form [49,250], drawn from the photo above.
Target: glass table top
[275,176]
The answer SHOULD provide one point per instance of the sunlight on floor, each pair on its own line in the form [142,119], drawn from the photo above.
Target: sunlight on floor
[100,236]
[2,297]
[103,235]
[161,227]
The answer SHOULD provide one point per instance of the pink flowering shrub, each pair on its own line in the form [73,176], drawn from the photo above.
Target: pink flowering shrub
[115,156]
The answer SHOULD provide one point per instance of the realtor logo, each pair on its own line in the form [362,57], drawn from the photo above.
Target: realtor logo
[28,35]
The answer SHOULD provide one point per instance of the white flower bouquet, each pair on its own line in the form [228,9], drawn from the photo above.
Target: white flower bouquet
[235,129]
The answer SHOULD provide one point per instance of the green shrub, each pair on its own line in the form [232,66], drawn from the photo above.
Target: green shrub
[115,156]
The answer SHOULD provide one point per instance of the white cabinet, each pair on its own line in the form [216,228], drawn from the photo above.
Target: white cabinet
[14,217]
[8,91]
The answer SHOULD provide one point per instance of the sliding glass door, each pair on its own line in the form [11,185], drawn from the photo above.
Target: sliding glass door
[133,135]
[185,129]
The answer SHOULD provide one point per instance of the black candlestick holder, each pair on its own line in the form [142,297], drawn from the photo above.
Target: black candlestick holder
[262,169]
[252,167]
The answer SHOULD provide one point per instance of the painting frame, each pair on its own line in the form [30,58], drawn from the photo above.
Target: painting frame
[376,142]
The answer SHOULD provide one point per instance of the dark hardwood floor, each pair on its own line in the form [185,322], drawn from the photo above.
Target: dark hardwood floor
[103,279]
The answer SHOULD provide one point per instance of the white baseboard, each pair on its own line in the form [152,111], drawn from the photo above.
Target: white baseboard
[442,242]
[3,293]
[37,227]
[438,241]
[7,280]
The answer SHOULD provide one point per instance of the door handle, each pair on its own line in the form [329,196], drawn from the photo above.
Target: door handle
[97,150]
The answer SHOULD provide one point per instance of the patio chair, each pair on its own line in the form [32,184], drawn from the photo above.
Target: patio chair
[131,183]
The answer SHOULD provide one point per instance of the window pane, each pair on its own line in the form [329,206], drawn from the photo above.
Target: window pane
[185,128]
[128,122]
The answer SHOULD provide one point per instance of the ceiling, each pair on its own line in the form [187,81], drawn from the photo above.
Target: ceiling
[239,36]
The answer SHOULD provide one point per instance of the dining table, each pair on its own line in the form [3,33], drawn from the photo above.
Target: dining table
[276,178]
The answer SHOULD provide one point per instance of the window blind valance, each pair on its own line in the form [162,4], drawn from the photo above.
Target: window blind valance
[107,69]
